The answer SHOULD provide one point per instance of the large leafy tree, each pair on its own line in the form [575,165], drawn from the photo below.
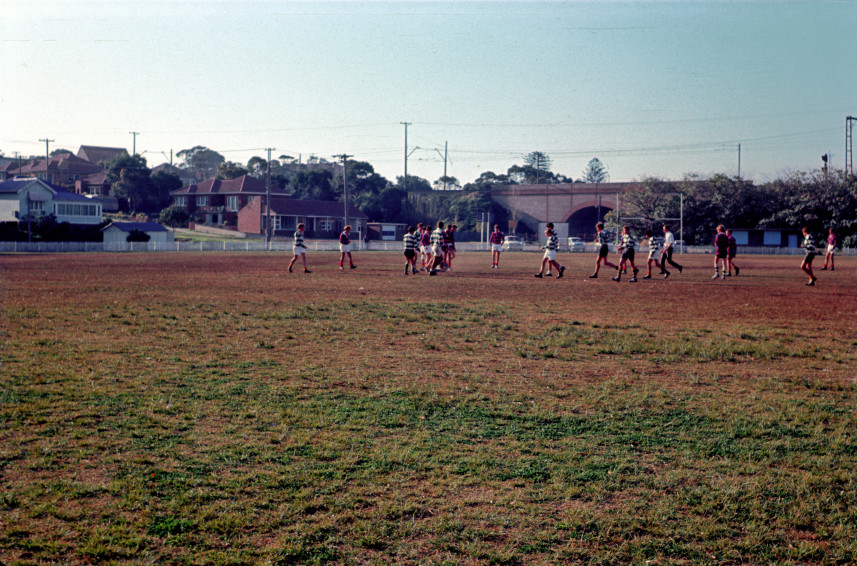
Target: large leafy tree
[539,161]
[415,184]
[201,160]
[362,180]
[385,206]
[129,179]
[595,172]
[230,170]
[313,184]
[162,184]
[486,180]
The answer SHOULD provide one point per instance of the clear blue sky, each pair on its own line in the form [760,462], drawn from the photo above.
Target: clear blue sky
[650,88]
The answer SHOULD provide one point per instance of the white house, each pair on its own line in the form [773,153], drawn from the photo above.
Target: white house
[28,195]
[118,232]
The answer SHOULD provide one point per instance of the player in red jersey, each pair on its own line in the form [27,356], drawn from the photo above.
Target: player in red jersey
[831,247]
[345,248]
[496,241]
[721,252]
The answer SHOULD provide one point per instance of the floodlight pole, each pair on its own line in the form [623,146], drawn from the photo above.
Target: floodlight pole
[344,157]
[268,230]
[406,124]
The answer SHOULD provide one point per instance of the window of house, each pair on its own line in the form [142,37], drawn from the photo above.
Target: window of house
[772,238]
[37,206]
[289,223]
[181,201]
[327,224]
[202,201]
[232,203]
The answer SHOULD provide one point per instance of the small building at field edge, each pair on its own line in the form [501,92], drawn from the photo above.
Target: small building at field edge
[118,232]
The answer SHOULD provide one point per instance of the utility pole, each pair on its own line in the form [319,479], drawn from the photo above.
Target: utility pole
[344,157]
[849,149]
[268,230]
[406,124]
[47,156]
[445,156]
[134,143]
[739,160]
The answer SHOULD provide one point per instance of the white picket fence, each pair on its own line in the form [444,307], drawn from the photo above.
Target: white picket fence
[319,245]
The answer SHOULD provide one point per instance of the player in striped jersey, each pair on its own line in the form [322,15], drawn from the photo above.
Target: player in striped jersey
[604,239]
[436,248]
[654,249]
[551,246]
[409,240]
[627,246]
[809,248]
[299,248]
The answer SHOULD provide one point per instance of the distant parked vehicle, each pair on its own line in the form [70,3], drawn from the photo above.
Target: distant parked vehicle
[512,244]
[576,245]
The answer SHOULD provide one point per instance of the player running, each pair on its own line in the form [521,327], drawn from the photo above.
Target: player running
[627,246]
[654,250]
[831,247]
[604,239]
[809,248]
[551,246]
[299,248]
[667,250]
[731,252]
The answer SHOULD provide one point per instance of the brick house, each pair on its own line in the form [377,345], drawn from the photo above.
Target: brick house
[217,202]
[62,169]
[100,155]
[323,219]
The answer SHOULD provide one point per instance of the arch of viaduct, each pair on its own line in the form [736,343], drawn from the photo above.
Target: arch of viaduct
[580,205]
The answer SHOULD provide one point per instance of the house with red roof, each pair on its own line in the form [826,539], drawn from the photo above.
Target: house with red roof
[324,219]
[100,155]
[61,169]
[216,202]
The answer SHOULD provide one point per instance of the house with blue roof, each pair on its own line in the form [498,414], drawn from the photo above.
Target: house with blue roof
[24,196]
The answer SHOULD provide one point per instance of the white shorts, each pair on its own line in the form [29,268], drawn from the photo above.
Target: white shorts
[424,250]
[437,250]
[345,248]
[496,247]
[299,250]
[550,255]
[830,249]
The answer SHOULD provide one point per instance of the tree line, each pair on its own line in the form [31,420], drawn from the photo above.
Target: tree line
[816,199]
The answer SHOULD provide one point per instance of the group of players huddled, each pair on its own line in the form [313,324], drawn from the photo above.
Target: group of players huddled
[435,250]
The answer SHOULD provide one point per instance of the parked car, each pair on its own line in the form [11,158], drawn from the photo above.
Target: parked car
[512,244]
[576,245]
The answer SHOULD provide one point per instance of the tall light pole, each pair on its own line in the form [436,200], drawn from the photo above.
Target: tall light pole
[849,148]
[268,230]
[134,142]
[406,124]
[344,157]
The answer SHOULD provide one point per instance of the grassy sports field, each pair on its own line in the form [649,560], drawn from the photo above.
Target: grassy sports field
[213,409]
